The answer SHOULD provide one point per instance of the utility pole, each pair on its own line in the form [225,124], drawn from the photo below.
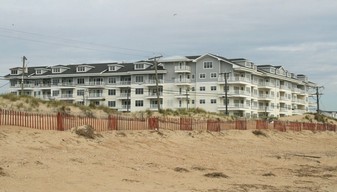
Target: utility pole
[318,94]
[156,75]
[226,95]
[24,58]
[128,99]
[187,100]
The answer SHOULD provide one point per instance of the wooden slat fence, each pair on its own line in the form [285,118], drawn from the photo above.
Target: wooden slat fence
[63,122]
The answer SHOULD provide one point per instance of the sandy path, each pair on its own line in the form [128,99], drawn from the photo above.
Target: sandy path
[33,160]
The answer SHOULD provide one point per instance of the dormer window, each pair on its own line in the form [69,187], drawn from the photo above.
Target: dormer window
[112,68]
[139,66]
[38,71]
[81,69]
[56,70]
[14,72]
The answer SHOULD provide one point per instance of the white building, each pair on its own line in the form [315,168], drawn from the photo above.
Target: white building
[184,82]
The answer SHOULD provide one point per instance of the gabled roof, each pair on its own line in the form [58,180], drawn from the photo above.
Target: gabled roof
[98,68]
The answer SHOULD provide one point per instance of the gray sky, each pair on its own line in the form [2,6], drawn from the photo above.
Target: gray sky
[300,35]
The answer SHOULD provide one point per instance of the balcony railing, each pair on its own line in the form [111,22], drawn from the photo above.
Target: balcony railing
[95,95]
[153,81]
[155,94]
[239,92]
[182,80]
[265,96]
[182,68]
[124,95]
[67,96]
[153,106]
[240,79]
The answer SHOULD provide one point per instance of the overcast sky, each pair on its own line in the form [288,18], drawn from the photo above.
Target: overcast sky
[300,35]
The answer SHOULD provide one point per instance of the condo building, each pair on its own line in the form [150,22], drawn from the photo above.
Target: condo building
[234,86]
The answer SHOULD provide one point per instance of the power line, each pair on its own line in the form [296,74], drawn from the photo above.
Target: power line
[68,45]
[78,41]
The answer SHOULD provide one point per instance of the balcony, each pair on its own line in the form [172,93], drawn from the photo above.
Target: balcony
[264,109]
[24,86]
[182,81]
[66,96]
[238,93]
[266,85]
[299,91]
[283,110]
[234,80]
[153,106]
[95,96]
[152,82]
[124,96]
[298,101]
[182,69]
[265,97]
[283,87]
[154,95]
[235,107]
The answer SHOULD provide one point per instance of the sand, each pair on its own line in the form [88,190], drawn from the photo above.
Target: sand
[34,160]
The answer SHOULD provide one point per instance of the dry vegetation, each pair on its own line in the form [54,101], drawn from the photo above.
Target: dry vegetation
[31,104]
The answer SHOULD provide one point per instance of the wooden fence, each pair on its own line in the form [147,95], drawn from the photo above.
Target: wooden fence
[62,122]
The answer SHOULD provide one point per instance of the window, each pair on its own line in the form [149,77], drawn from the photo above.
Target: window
[202,88]
[80,81]
[139,103]
[112,68]
[139,79]
[81,69]
[202,75]
[55,81]
[202,101]
[139,66]
[112,92]
[192,89]
[192,102]
[213,75]
[14,72]
[208,65]
[213,101]
[80,92]
[56,70]
[139,91]
[213,88]
[112,80]
[38,71]
[112,103]
[56,93]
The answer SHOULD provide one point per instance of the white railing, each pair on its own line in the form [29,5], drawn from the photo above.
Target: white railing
[153,81]
[265,96]
[95,95]
[182,68]
[182,80]
[124,95]
[239,92]
[67,96]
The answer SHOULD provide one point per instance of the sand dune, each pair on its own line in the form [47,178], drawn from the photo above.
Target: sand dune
[33,160]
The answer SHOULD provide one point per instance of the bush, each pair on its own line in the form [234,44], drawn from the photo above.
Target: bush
[259,133]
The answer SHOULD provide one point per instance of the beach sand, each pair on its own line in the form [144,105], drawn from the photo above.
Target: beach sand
[34,160]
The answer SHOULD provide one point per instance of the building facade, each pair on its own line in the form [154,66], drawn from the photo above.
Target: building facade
[183,82]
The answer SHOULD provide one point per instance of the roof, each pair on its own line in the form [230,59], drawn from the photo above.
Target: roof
[95,68]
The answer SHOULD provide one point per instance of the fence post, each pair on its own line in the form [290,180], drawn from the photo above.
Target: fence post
[60,122]
[213,125]
[153,123]
[112,123]
[0,116]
